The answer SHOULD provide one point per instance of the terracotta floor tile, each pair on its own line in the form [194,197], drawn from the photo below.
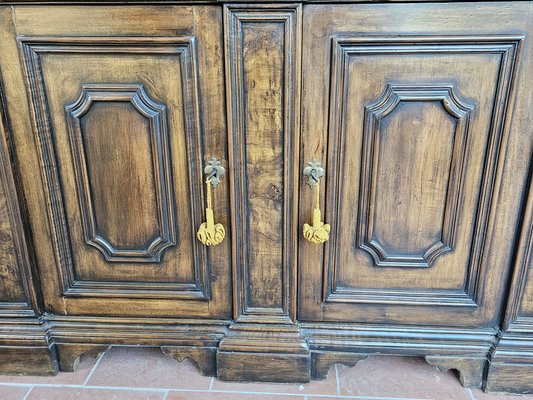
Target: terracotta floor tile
[479,395]
[146,368]
[327,387]
[63,378]
[53,393]
[228,396]
[400,377]
[13,393]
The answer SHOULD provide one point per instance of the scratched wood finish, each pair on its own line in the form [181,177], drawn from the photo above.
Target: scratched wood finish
[419,112]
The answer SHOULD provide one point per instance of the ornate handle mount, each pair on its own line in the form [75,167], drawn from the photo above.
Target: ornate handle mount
[318,232]
[210,233]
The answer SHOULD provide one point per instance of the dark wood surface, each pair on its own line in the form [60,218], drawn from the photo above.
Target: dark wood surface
[123,125]
[420,114]
[512,361]
[25,347]
[413,136]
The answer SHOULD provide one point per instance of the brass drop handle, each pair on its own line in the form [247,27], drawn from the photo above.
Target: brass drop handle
[210,233]
[318,232]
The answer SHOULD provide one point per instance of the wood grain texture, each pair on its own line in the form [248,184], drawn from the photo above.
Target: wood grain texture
[137,123]
[156,185]
[263,75]
[263,45]
[417,182]
[511,361]
[420,113]
[24,343]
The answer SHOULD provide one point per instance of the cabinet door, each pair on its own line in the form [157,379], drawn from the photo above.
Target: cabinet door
[409,108]
[128,106]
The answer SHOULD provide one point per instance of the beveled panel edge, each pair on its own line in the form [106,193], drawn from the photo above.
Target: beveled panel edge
[509,47]
[184,46]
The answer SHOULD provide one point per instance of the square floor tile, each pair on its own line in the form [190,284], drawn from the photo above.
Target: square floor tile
[146,368]
[399,377]
[228,396]
[13,393]
[65,378]
[53,393]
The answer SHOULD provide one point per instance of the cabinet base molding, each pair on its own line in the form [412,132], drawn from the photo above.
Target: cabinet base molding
[69,355]
[465,350]
[204,357]
[470,369]
[25,348]
[322,361]
[264,352]
[511,365]
[195,339]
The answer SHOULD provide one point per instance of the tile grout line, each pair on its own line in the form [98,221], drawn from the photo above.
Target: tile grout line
[27,394]
[96,364]
[470,394]
[165,390]
[337,379]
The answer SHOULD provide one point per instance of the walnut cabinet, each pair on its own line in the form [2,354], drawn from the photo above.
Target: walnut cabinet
[371,193]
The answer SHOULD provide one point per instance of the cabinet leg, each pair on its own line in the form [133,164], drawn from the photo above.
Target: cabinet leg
[470,370]
[69,354]
[204,357]
[321,362]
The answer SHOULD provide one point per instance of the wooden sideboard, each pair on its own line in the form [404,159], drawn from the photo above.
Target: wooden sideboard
[413,124]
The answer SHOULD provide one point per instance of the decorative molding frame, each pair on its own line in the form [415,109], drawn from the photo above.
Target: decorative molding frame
[343,48]
[185,48]
[158,131]
[393,96]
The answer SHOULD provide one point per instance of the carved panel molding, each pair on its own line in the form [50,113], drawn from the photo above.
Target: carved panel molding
[184,48]
[395,94]
[135,95]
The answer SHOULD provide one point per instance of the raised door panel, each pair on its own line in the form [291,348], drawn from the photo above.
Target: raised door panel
[413,139]
[124,123]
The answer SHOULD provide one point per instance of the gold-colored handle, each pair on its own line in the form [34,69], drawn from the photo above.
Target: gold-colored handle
[318,232]
[210,233]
